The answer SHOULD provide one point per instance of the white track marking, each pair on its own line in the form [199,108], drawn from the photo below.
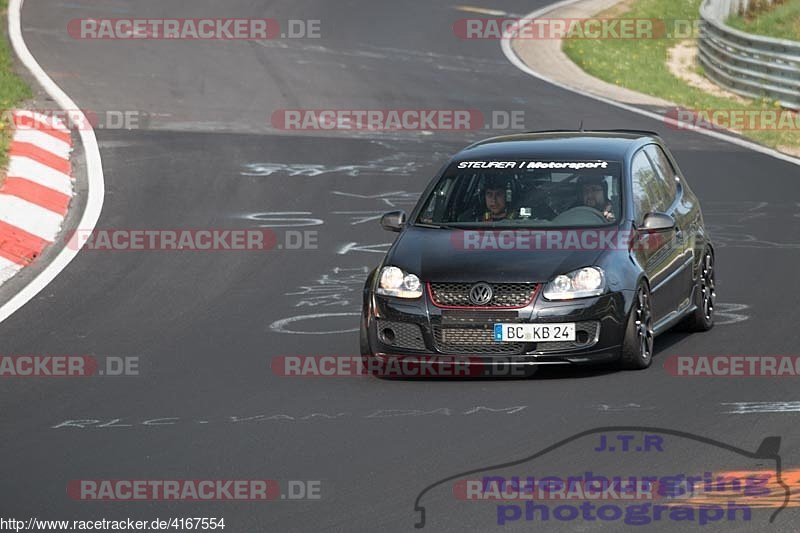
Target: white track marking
[44,141]
[94,166]
[512,56]
[744,408]
[281,325]
[8,269]
[30,217]
[25,167]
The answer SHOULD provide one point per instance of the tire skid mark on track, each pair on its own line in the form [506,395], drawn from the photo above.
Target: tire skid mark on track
[745,408]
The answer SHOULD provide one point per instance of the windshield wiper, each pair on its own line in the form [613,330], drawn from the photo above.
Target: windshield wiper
[437,226]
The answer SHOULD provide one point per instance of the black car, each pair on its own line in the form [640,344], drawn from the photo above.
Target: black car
[544,248]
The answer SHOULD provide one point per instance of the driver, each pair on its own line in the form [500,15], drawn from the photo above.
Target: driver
[494,194]
[593,192]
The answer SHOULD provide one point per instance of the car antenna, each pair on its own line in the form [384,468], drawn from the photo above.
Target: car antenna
[580,128]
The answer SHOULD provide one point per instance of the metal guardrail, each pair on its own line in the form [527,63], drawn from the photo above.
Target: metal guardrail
[751,65]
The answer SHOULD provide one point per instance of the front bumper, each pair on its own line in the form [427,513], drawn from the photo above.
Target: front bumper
[396,328]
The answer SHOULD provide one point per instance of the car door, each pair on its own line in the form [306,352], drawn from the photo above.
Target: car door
[659,254]
[684,209]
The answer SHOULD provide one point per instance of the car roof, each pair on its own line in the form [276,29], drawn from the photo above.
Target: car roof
[612,145]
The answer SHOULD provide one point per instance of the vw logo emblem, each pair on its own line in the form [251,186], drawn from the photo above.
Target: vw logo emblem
[481,294]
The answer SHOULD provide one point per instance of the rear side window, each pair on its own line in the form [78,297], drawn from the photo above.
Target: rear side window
[649,190]
[666,172]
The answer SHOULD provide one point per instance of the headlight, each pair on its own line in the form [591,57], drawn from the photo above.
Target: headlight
[395,282]
[589,281]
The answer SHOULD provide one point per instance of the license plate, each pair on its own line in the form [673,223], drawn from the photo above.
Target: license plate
[534,332]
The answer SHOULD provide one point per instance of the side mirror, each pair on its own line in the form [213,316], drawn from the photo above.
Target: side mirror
[658,222]
[393,221]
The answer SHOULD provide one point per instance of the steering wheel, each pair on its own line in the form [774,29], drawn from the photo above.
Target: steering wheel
[581,212]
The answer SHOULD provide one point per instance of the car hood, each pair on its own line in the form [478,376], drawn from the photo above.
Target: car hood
[437,255]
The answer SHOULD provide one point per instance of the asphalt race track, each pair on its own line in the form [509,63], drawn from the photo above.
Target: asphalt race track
[207,405]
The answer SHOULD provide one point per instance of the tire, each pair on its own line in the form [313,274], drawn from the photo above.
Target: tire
[702,318]
[637,347]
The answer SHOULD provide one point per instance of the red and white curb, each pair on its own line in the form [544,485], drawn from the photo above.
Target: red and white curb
[35,195]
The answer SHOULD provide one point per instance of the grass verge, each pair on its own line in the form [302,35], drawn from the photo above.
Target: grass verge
[781,21]
[641,65]
[12,90]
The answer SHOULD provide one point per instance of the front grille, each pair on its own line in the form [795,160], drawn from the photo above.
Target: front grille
[400,334]
[480,340]
[513,295]
[477,340]
[469,317]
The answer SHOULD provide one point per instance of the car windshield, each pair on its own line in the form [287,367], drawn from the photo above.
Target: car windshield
[543,193]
